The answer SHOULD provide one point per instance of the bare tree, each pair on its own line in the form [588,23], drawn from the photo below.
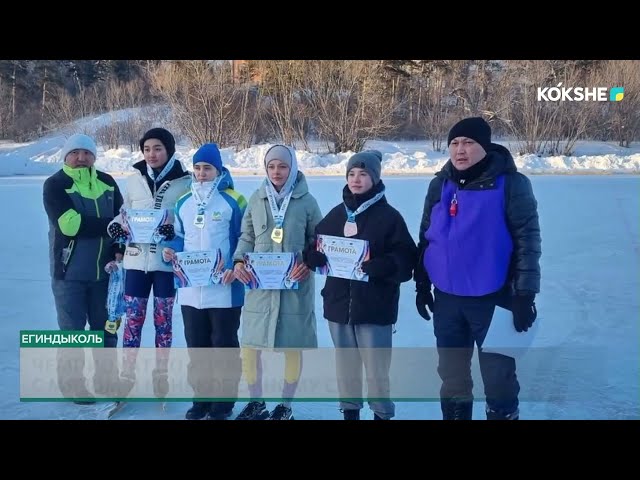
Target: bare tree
[62,107]
[109,134]
[203,97]
[623,117]
[436,107]
[249,112]
[286,110]
[529,120]
[546,127]
[350,101]
[43,104]
[134,93]
[571,119]
[5,112]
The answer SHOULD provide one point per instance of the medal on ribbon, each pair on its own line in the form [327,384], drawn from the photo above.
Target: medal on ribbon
[199,220]
[277,234]
[350,228]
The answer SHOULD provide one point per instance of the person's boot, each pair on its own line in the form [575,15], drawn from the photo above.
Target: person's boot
[254,410]
[351,414]
[198,411]
[81,395]
[453,409]
[281,412]
[220,411]
[125,385]
[496,415]
[160,383]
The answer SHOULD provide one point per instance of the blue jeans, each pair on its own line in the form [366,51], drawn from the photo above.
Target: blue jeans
[370,345]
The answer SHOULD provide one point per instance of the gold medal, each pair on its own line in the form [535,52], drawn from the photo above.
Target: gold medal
[276,235]
[350,229]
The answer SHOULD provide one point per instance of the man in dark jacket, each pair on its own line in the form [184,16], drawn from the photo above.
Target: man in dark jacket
[479,246]
[80,201]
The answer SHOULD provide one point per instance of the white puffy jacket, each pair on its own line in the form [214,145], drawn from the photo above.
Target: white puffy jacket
[138,195]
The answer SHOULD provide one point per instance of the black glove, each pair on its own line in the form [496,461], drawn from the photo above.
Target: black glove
[379,267]
[424,299]
[167,231]
[313,258]
[116,231]
[524,311]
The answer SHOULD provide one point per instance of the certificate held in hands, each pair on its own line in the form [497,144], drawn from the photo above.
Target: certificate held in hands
[270,271]
[345,257]
[198,269]
[143,224]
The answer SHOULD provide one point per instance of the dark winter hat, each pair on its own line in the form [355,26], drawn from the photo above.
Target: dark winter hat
[78,141]
[369,160]
[475,128]
[210,154]
[164,136]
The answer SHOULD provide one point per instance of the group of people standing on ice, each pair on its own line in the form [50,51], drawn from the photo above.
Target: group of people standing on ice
[478,247]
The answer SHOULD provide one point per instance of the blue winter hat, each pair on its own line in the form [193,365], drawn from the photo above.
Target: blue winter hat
[210,154]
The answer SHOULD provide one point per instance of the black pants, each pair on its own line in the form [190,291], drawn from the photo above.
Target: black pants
[458,323]
[79,304]
[213,371]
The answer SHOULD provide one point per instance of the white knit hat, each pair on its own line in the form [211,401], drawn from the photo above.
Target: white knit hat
[78,142]
[279,152]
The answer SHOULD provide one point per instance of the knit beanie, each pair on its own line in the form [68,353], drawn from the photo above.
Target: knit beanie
[210,154]
[78,141]
[475,128]
[164,136]
[370,161]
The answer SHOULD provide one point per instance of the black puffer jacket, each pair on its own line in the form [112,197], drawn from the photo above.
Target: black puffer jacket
[375,301]
[521,215]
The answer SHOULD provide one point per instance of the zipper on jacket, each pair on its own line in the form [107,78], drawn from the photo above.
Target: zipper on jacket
[95,200]
[66,255]
[149,256]
[201,242]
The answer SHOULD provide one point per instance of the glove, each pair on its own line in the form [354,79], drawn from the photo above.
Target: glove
[112,266]
[379,267]
[167,255]
[424,299]
[524,311]
[167,231]
[313,258]
[116,231]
